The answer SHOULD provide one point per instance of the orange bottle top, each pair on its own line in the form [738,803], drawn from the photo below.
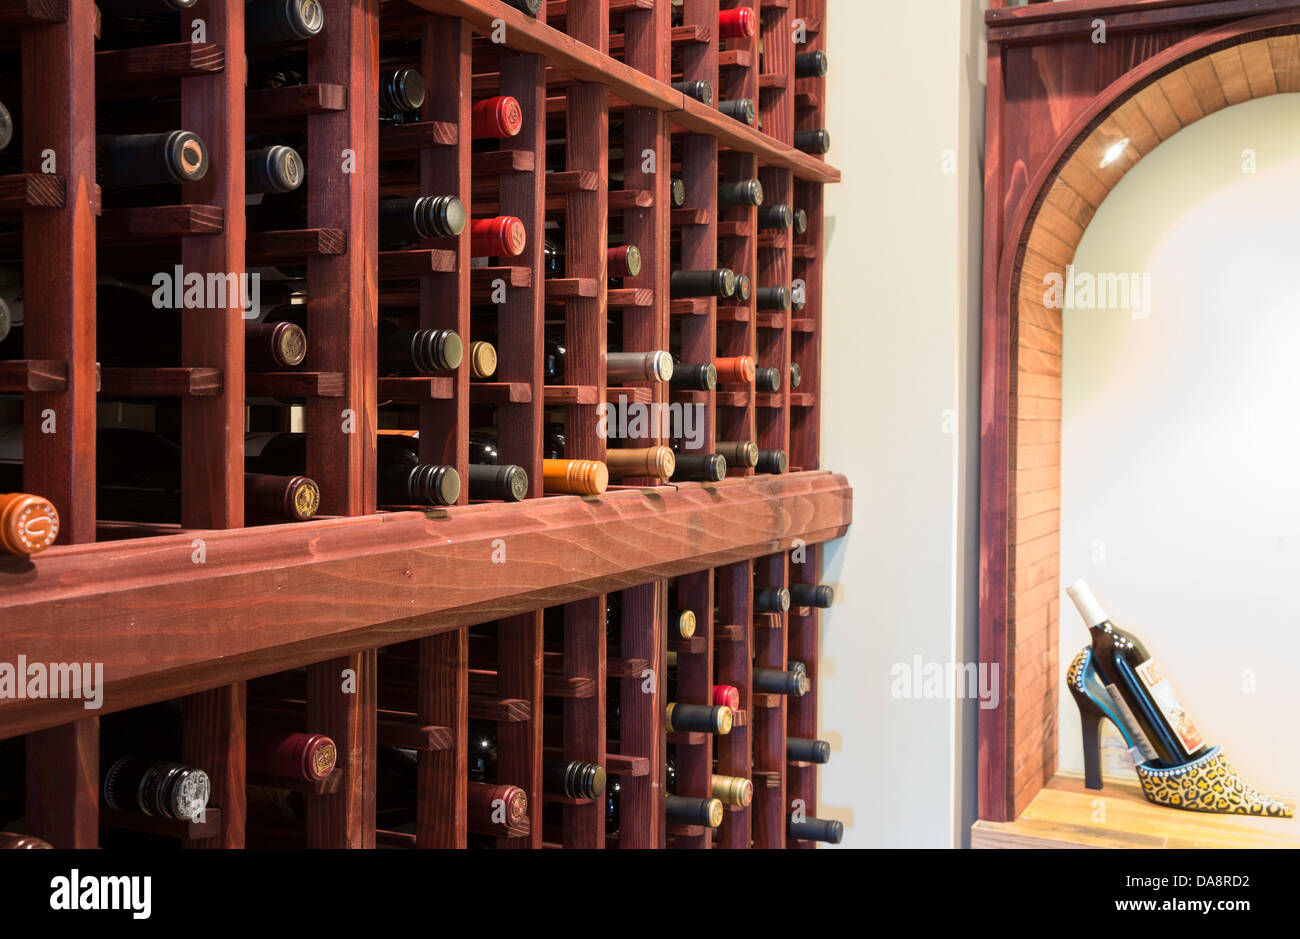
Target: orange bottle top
[576,477]
[740,369]
[28,524]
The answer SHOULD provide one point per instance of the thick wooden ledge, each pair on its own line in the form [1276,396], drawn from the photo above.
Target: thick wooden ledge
[1062,816]
[169,616]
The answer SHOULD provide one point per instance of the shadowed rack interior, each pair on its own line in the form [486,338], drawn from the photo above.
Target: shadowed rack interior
[437,378]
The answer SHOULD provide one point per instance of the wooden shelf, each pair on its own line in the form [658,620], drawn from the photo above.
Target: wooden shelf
[1064,813]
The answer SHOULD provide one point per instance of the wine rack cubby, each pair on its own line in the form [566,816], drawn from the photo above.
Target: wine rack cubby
[436,617]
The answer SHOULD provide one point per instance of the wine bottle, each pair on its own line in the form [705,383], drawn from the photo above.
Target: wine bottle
[813,141]
[488,480]
[482,359]
[740,109]
[694,377]
[800,222]
[500,237]
[658,462]
[684,810]
[485,802]
[772,600]
[796,375]
[141,786]
[6,323]
[28,524]
[791,682]
[737,24]
[686,284]
[732,790]
[623,261]
[772,462]
[767,380]
[132,332]
[699,718]
[575,477]
[737,369]
[817,829]
[741,453]
[800,750]
[400,350]
[743,288]
[12,840]
[6,126]
[818,595]
[403,220]
[402,480]
[303,757]
[1144,699]
[700,90]
[401,95]
[496,118]
[268,22]
[573,779]
[130,160]
[700,467]
[775,217]
[677,192]
[273,169]
[772,298]
[810,64]
[681,620]
[742,194]
[638,366]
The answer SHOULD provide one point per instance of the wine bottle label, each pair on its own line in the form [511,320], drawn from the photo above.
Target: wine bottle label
[1131,725]
[1163,695]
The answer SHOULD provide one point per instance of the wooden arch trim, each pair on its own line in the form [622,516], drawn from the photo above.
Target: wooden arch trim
[1021,392]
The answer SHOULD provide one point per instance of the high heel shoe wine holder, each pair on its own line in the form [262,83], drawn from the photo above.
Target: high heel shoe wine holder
[1115,679]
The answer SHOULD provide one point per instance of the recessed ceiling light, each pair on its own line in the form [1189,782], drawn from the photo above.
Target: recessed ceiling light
[1114,153]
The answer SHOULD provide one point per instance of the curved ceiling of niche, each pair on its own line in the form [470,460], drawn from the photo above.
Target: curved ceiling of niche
[1193,84]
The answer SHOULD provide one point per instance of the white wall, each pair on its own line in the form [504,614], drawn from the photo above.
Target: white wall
[900,411]
[1181,441]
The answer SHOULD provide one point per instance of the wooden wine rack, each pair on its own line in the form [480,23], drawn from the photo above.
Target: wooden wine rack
[202,610]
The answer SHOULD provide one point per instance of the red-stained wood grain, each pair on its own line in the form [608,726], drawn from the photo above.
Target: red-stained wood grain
[214,734]
[342,704]
[443,683]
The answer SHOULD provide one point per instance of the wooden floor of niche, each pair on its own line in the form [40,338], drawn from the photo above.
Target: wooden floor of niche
[1060,816]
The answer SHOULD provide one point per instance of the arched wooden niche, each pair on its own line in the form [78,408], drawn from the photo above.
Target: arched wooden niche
[1021,394]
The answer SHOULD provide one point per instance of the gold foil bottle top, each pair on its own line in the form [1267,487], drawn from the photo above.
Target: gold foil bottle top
[715,813]
[322,757]
[482,359]
[290,344]
[659,462]
[685,625]
[28,524]
[733,790]
[576,477]
[725,720]
[306,498]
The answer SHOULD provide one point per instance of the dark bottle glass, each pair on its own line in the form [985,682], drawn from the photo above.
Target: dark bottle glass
[403,220]
[489,480]
[553,367]
[141,786]
[530,7]
[773,462]
[740,109]
[796,375]
[700,467]
[743,288]
[719,283]
[818,595]
[693,376]
[793,682]
[269,22]
[767,379]
[772,298]
[677,192]
[403,479]
[775,217]
[700,90]
[800,750]
[743,194]
[274,169]
[810,64]
[817,142]
[6,126]
[740,453]
[699,718]
[401,95]
[130,160]
[800,222]
[684,810]
[817,829]
[771,600]
[401,351]
[1157,722]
